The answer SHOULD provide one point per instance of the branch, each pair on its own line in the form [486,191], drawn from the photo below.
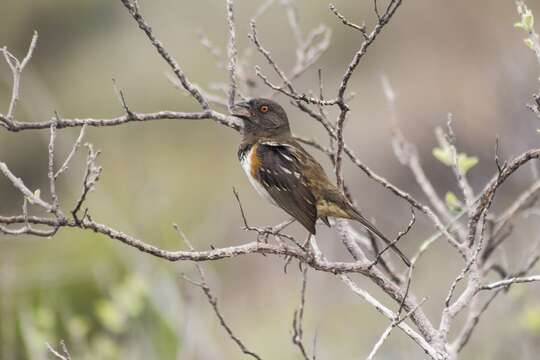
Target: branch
[232,53]
[396,240]
[298,318]
[426,346]
[488,194]
[212,299]
[62,356]
[74,149]
[508,282]
[362,28]
[389,329]
[120,120]
[17,68]
[344,108]
[133,9]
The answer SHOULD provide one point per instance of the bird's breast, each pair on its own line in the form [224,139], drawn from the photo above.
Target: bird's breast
[250,163]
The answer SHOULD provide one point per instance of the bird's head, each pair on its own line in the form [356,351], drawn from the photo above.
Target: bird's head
[262,117]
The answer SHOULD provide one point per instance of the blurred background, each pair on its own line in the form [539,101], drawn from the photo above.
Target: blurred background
[109,301]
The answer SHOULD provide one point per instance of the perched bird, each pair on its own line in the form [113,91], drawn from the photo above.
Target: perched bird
[287,175]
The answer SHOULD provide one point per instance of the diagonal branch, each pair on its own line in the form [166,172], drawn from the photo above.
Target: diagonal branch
[133,9]
[212,299]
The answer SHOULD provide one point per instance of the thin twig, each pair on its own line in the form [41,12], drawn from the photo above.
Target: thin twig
[62,356]
[74,149]
[133,9]
[507,282]
[17,68]
[298,318]
[212,299]
[232,53]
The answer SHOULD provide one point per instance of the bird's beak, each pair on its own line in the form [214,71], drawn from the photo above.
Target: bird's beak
[241,110]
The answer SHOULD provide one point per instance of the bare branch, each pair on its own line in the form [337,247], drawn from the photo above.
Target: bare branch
[62,356]
[434,354]
[74,149]
[386,333]
[120,120]
[362,28]
[33,197]
[298,318]
[91,177]
[399,237]
[122,99]
[472,320]
[486,198]
[17,68]
[133,9]
[52,178]
[508,282]
[212,299]
[392,7]
[232,53]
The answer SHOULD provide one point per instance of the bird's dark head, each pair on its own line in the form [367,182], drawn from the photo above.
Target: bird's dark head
[262,117]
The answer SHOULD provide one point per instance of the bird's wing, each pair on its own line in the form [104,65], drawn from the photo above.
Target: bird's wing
[281,174]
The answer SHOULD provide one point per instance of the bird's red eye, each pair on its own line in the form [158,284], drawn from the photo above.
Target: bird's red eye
[264,108]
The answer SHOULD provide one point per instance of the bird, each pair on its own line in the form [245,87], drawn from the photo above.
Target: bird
[285,174]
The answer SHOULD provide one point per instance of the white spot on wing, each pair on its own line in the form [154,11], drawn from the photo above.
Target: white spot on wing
[287,171]
[286,157]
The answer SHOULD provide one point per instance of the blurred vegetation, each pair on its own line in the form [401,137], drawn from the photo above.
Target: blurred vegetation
[111,302]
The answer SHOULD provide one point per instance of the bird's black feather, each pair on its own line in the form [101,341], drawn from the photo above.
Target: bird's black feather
[281,175]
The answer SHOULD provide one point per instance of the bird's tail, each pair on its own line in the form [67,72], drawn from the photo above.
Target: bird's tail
[362,220]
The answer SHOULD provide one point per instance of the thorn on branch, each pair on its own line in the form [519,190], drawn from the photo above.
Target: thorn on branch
[500,167]
[120,94]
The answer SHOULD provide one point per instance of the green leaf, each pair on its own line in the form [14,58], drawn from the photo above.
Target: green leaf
[528,21]
[466,163]
[452,202]
[444,155]
[36,194]
[519,25]
[529,43]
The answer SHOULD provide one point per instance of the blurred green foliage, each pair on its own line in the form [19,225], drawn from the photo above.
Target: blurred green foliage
[530,319]
[103,333]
